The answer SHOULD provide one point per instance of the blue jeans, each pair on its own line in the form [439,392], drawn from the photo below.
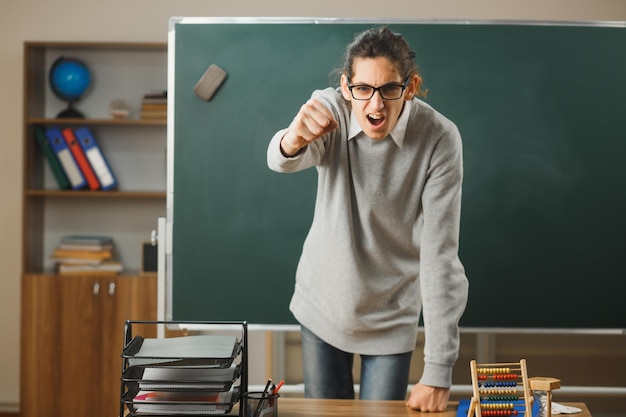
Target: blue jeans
[328,372]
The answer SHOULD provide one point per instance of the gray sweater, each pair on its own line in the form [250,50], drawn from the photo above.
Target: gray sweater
[383,243]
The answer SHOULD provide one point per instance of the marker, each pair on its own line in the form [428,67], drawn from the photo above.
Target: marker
[277,388]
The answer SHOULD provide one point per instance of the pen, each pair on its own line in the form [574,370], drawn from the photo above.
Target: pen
[267,387]
[261,403]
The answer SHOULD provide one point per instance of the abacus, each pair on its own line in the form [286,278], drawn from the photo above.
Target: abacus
[500,389]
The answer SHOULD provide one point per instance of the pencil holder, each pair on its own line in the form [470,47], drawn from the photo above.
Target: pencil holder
[257,404]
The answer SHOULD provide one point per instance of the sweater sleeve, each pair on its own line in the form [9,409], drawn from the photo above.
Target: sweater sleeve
[444,286]
[278,162]
[308,157]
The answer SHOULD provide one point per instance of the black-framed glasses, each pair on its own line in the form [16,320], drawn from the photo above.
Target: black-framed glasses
[389,91]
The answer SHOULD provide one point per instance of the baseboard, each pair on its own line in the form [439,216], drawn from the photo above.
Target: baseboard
[9,409]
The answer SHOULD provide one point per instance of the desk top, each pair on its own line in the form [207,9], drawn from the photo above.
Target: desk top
[303,407]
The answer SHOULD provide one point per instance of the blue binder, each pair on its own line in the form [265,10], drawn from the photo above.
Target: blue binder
[63,153]
[53,161]
[96,158]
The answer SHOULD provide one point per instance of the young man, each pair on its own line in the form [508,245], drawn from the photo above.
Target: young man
[383,244]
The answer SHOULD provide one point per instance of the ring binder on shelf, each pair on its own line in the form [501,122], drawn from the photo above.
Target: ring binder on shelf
[63,153]
[53,161]
[96,158]
[80,158]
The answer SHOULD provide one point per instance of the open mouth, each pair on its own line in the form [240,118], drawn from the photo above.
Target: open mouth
[376,119]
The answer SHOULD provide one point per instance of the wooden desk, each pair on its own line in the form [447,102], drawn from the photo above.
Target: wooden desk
[301,407]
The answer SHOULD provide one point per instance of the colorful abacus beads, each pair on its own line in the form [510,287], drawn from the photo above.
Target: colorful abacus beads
[505,376]
[498,391]
[489,413]
[499,384]
[500,398]
[493,370]
[497,406]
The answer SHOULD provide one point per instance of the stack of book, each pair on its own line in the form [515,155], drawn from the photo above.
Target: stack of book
[86,254]
[75,158]
[154,105]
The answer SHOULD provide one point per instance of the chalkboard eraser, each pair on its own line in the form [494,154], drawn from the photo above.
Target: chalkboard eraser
[210,81]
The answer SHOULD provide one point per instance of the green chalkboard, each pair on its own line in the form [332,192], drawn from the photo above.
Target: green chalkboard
[542,113]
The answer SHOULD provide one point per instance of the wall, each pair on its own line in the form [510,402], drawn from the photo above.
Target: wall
[147,20]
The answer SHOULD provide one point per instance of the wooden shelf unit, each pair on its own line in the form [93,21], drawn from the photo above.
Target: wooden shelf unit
[120,70]
[71,335]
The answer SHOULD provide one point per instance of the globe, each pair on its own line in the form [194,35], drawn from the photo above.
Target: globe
[69,79]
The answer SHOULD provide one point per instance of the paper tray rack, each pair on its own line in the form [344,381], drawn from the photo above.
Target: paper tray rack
[201,374]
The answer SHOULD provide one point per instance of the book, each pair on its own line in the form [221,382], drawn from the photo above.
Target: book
[53,162]
[104,267]
[154,106]
[80,254]
[88,271]
[155,97]
[77,261]
[81,159]
[154,114]
[96,158]
[65,157]
[86,248]
[86,240]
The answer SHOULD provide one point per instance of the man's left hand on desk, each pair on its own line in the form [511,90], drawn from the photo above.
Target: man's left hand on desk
[427,398]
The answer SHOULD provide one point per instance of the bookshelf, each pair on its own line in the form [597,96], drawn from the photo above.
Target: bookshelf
[134,147]
[71,335]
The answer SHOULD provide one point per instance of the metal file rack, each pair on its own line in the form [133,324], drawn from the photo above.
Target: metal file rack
[201,374]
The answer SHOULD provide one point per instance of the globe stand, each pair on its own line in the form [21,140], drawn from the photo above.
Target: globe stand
[70,112]
[69,79]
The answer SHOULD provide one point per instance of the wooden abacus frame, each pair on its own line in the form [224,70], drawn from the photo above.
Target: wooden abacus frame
[497,374]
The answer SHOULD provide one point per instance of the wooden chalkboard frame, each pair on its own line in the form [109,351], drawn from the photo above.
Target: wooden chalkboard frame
[562,262]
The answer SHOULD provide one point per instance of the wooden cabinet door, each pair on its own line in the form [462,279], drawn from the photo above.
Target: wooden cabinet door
[40,329]
[81,351]
[127,298]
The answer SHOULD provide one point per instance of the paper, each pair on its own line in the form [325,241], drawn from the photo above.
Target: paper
[202,350]
[564,409]
[195,378]
[183,403]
